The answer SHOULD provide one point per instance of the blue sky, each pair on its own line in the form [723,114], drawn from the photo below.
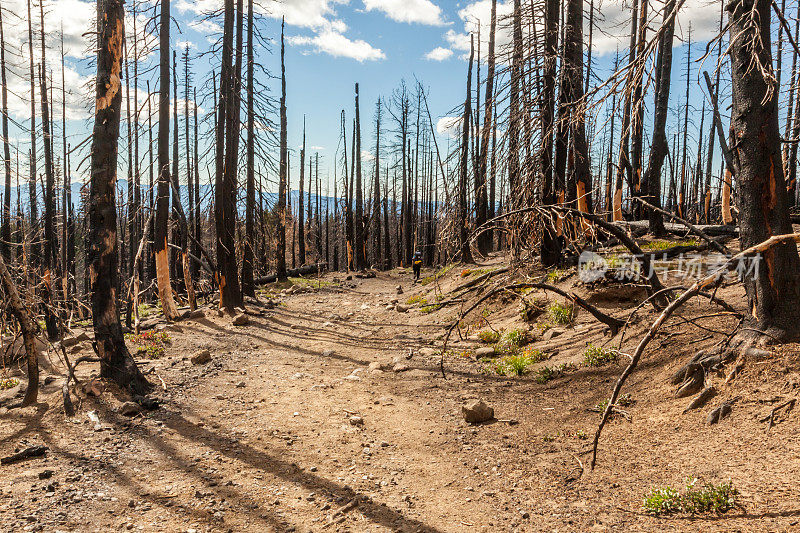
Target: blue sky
[331,44]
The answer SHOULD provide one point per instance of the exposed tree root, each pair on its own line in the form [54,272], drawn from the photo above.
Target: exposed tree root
[712,280]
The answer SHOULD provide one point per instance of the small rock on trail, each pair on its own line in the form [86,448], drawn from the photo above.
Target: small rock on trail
[241,320]
[202,357]
[476,411]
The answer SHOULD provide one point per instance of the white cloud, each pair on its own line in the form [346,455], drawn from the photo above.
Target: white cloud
[307,13]
[448,126]
[439,54]
[333,43]
[411,11]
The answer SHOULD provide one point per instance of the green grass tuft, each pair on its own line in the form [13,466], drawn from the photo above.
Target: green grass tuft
[489,336]
[518,365]
[8,383]
[439,273]
[597,356]
[561,314]
[705,498]
[417,299]
[151,344]
[658,245]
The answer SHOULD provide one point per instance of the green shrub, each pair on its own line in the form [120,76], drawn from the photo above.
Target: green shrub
[707,498]
[151,344]
[512,340]
[561,314]
[417,299]
[548,373]
[517,365]
[597,356]
[8,383]
[554,276]
[489,336]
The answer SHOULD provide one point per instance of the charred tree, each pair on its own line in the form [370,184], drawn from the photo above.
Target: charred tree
[360,259]
[248,287]
[116,362]
[651,182]
[162,198]
[281,214]
[463,219]
[773,285]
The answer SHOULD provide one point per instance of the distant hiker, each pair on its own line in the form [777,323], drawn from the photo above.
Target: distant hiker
[416,263]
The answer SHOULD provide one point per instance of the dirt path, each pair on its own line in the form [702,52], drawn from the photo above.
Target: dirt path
[289,429]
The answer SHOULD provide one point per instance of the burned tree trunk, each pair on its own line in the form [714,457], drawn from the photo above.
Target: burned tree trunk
[50,239]
[34,214]
[301,232]
[551,248]
[248,287]
[376,192]
[651,182]
[5,229]
[284,155]
[360,260]
[463,219]
[225,189]
[116,363]
[773,284]
[163,194]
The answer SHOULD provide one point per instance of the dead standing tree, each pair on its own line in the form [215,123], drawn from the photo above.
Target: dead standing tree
[163,189]
[116,362]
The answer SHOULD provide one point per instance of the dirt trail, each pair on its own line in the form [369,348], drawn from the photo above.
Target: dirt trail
[289,429]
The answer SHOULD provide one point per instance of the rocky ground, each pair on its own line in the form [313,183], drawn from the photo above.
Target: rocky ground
[329,412]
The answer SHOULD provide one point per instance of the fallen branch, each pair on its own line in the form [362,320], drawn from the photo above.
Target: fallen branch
[771,418]
[302,271]
[692,228]
[613,323]
[32,451]
[712,280]
[650,273]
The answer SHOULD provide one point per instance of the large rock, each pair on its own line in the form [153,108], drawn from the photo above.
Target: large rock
[476,411]
[399,289]
[485,351]
[552,333]
[200,358]
[197,313]
[400,308]
[241,320]
[130,409]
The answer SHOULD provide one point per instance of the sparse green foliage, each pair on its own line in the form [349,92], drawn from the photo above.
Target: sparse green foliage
[530,310]
[662,501]
[430,308]
[556,275]
[8,383]
[707,498]
[548,373]
[561,314]
[518,365]
[417,299]
[489,336]
[441,272]
[151,344]
[598,356]
[660,244]
[512,340]
[310,282]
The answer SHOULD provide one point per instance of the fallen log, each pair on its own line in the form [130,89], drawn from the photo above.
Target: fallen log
[302,271]
[33,451]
